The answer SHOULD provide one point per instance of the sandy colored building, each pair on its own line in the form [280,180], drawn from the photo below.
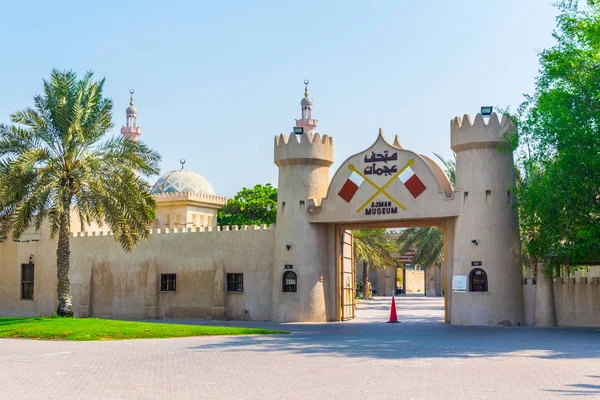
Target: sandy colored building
[301,269]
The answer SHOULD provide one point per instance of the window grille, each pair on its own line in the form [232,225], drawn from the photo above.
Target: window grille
[478,281]
[290,282]
[235,282]
[168,282]
[26,281]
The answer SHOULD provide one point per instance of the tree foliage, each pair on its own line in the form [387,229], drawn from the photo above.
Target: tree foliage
[559,134]
[428,243]
[373,249]
[254,206]
[373,246]
[57,159]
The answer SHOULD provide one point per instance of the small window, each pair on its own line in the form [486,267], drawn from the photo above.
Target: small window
[235,282]
[478,281]
[26,281]
[167,282]
[290,282]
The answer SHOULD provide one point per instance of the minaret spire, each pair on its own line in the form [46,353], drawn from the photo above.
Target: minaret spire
[130,130]
[306,122]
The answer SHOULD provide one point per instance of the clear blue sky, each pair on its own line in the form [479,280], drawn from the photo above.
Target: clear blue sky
[216,80]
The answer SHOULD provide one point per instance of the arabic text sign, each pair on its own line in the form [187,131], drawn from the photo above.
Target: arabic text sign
[379,172]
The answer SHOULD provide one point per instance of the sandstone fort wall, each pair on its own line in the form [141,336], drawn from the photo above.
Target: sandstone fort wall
[110,283]
[576,301]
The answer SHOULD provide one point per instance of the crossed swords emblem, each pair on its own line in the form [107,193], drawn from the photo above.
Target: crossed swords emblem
[382,188]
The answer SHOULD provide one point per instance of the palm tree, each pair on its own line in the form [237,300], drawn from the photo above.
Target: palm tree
[56,160]
[372,248]
[428,242]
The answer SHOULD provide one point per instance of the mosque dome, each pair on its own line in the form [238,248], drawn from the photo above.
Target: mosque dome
[181,181]
[131,110]
[306,101]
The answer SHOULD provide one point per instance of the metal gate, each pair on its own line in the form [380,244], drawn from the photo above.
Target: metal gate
[347,278]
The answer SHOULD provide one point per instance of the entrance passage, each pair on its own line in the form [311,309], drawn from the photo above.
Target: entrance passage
[420,290]
[410,309]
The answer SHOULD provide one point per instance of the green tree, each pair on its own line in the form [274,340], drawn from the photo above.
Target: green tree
[428,242]
[559,126]
[250,207]
[373,249]
[56,159]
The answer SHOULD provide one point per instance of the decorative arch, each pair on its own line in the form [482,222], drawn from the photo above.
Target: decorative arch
[385,182]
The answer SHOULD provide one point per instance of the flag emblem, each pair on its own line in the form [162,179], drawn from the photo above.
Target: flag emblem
[351,187]
[412,182]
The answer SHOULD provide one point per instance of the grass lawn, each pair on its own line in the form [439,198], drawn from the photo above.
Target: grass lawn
[58,328]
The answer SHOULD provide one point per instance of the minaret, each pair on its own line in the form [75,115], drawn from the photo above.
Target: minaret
[306,121]
[300,247]
[131,131]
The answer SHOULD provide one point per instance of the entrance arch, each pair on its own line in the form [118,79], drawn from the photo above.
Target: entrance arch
[343,270]
[389,186]
[386,186]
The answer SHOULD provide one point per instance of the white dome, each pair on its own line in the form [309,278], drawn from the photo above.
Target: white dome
[131,110]
[306,101]
[181,181]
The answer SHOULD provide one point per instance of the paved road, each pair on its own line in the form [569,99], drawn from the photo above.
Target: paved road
[420,358]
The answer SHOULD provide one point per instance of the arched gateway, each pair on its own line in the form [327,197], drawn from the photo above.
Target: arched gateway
[388,186]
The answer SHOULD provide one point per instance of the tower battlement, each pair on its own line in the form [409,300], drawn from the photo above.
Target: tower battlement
[303,149]
[467,134]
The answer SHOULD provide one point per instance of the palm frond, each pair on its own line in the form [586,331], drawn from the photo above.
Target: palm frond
[428,243]
[55,157]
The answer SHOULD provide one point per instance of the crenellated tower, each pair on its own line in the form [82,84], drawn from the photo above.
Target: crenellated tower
[300,247]
[130,130]
[487,230]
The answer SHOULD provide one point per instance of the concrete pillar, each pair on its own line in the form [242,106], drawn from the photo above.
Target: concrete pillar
[448,230]
[218,308]
[545,312]
[151,293]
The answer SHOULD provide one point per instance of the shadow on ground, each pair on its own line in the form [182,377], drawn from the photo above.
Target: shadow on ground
[579,389]
[422,334]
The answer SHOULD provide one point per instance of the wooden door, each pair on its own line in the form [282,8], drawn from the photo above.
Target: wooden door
[347,278]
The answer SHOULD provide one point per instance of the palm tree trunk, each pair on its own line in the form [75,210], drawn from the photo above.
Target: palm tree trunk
[533,265]
[365,279]
[63,257]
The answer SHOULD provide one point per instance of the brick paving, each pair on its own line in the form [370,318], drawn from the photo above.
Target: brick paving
[421,358]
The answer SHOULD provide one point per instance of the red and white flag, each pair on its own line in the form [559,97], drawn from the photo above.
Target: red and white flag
[351,186]
[412,182]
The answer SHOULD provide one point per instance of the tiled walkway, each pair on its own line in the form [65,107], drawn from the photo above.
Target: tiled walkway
[421,358]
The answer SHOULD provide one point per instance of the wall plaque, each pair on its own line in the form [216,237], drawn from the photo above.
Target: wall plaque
[459,283]
[289,266]
[475,263]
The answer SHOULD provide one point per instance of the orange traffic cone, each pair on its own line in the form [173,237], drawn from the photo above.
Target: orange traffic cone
[393,316]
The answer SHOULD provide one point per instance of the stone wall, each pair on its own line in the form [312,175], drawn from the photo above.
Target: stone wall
[110,283]
[415,281]
[577,301]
